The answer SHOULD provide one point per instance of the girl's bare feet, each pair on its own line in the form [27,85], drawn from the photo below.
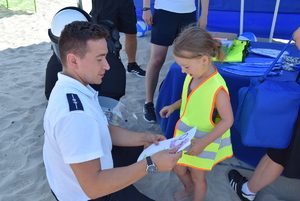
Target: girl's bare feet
[182,194]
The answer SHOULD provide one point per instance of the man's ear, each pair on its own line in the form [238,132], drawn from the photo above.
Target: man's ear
[72,60]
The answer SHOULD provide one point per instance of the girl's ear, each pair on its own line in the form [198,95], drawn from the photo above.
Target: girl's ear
[205,59]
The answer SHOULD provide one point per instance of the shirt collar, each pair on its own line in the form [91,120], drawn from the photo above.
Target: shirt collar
[73,83]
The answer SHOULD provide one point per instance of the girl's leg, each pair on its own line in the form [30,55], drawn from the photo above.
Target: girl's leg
[184,175]
[200,185]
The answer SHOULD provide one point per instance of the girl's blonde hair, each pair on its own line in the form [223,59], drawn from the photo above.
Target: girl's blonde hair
[194,42]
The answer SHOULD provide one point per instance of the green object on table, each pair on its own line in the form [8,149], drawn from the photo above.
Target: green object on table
[237,51]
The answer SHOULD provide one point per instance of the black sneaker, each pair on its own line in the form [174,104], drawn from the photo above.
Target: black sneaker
[236,181]
[135,69]
[149,113]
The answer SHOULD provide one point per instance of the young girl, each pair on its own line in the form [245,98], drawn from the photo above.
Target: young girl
[205,103]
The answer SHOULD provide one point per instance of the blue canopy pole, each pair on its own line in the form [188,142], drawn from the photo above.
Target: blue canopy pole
[242,17]
[274,20]
[198,11]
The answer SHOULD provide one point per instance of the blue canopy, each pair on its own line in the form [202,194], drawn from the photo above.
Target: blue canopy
[224,16]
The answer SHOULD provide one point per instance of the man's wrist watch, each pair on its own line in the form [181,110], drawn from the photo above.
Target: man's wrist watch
[145,8]
[151,168]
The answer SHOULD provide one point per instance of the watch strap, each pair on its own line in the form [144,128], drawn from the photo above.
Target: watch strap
[149,160]
[145,8]
[151,168]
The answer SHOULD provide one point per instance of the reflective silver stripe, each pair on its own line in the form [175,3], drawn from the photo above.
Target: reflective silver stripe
[218,140]
[185,128]
[208,155]
[225,142]
[199,134]
[205,154]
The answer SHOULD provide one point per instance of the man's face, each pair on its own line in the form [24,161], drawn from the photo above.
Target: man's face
[297,37]
[92,67]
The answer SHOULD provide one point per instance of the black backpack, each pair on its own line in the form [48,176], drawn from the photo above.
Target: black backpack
[114,83]
[113,42]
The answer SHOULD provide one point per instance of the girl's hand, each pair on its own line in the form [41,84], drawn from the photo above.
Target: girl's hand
[166,111]
[197,147]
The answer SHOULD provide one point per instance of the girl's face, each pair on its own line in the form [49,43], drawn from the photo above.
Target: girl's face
[195,67]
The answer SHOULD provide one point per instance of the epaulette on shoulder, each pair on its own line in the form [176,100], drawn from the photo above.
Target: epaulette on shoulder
[74,102]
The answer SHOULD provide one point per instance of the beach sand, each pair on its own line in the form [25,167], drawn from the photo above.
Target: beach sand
[24,52]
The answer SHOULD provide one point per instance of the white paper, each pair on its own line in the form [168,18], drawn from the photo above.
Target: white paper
[182,142]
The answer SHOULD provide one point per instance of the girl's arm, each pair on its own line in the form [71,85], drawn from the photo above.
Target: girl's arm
[224,108]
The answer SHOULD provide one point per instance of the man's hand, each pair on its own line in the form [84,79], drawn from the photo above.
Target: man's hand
[153,138]
[165,160]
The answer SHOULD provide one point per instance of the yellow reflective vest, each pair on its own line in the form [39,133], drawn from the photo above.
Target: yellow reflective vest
[197,109]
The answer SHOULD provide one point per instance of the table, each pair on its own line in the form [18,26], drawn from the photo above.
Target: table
[170,91]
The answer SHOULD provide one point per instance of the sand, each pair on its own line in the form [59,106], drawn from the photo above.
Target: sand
[24,52]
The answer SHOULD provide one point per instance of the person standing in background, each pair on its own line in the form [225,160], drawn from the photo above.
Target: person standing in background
[122,14]
[167,21]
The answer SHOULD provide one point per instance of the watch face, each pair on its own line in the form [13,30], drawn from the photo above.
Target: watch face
[151,169]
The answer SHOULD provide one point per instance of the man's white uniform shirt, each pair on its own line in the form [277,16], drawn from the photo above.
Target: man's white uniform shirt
[76,131]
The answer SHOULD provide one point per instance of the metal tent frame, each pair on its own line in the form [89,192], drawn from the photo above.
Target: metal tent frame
[242,17]
[273,21]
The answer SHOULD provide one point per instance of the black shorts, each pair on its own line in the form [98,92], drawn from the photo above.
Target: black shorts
[289,157]
[130,193]
[278,155]
[121,12]
[167,25]
[124,156]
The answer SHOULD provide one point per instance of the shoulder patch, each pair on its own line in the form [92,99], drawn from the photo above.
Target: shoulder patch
[74,102]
